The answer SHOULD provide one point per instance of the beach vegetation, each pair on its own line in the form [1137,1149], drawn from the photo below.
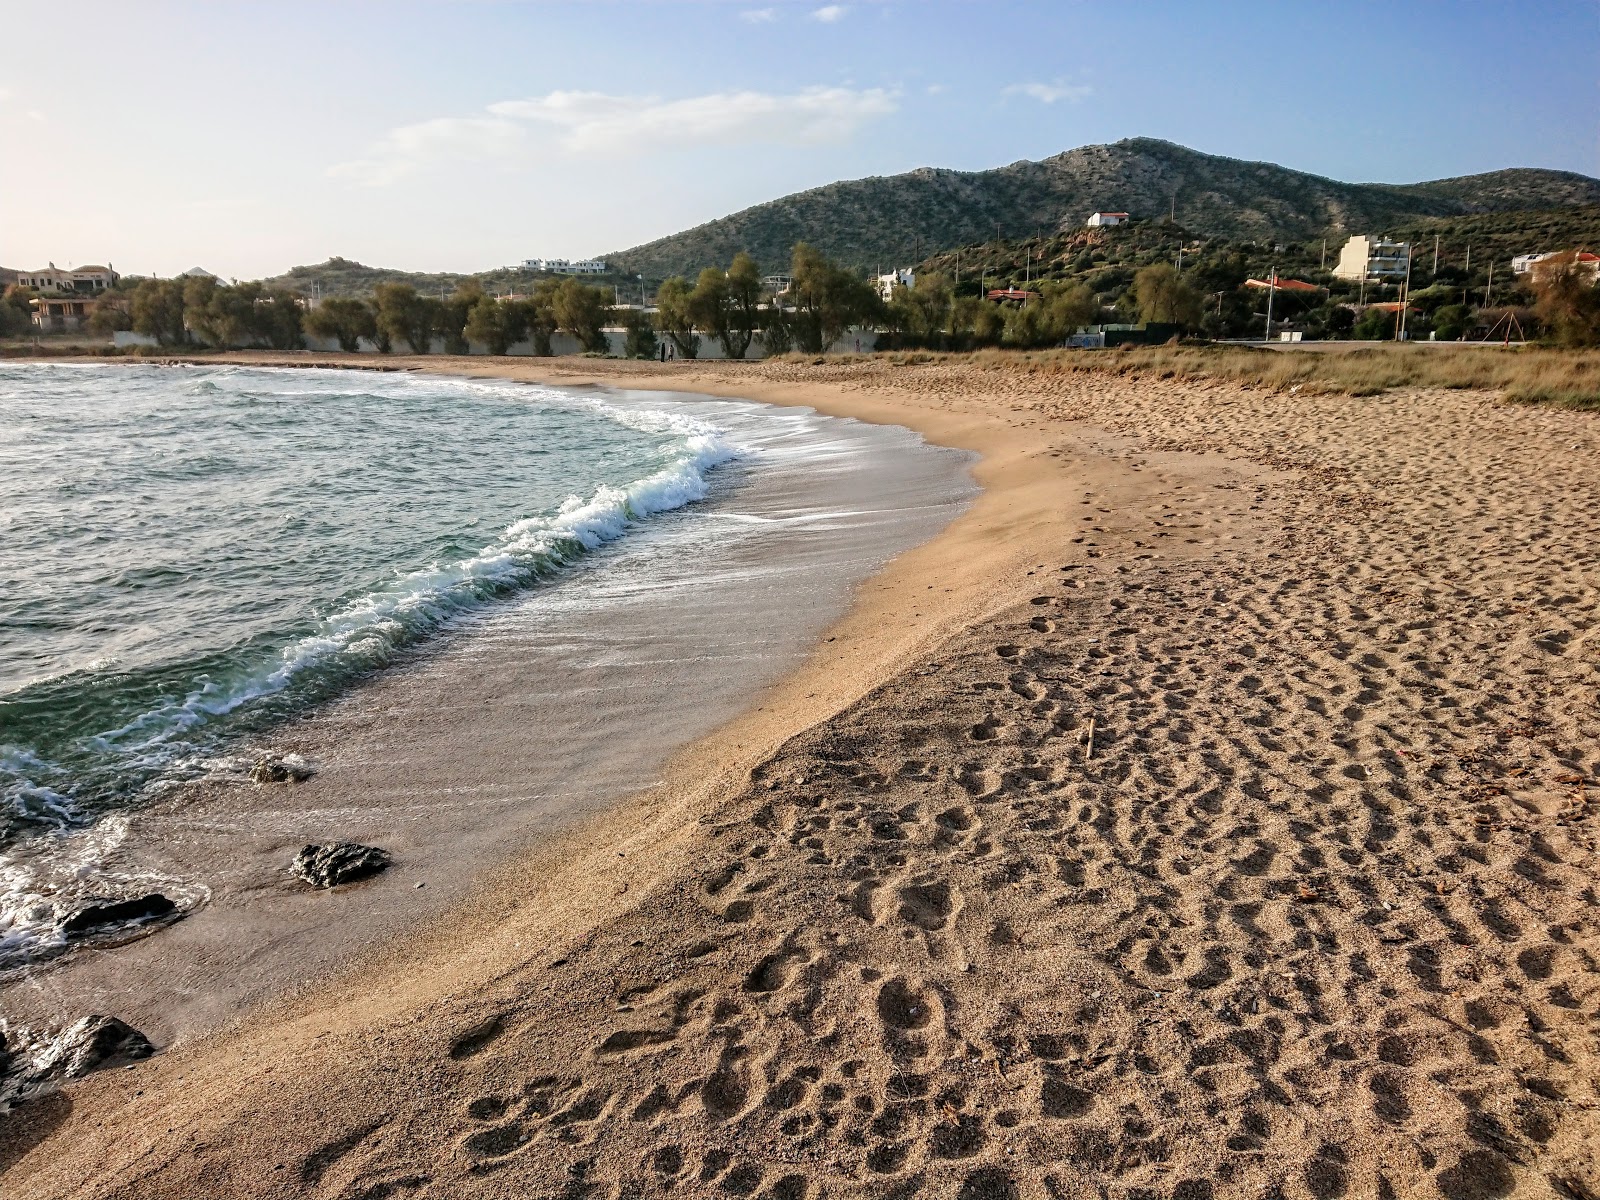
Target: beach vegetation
[495,324]
[344,319]
[675,317]
[404,316]
[1162,295]
[157,311]
[582,310]
[828,300]
[639,339]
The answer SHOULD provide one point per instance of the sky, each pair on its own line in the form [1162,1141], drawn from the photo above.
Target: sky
[468,134]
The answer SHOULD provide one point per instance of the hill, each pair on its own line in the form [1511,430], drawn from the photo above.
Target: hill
[344,277]
[888,220]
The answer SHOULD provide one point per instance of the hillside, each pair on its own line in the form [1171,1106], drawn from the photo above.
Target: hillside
[343,277]
[885,220]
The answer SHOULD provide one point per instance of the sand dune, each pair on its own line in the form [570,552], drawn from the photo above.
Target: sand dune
[1226,831]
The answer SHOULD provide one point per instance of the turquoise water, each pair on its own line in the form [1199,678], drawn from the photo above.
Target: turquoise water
[187,553]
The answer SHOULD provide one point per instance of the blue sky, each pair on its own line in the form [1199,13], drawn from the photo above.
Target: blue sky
[465,135]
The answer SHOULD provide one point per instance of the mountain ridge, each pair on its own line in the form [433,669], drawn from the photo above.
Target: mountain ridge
[883,220]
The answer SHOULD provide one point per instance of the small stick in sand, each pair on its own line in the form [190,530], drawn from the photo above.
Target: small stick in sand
[1088,752]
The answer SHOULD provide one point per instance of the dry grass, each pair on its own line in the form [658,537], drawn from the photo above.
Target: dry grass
[1526,375]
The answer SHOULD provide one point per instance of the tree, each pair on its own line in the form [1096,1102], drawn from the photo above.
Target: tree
[157,311]
[278,320]
[1375,325]
[405,316]
[1162,296]
[497,324]
[1566,297]
[110,314]
[1451,322]
[675,318]
[582,311]
[641,339]
[777,335]
[708,307]
[539,311]
[222,316]
[16,309]
[349,320]
[1341,320]
[828,300]
[744,305]
[453,315]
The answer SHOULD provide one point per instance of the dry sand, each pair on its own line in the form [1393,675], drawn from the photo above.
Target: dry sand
[1209,812]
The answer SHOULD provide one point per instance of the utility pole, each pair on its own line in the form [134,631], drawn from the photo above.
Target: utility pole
[1272,287]
[1469,258]
[1488,287]
[1324,264]
[1405,296]
[1436,256]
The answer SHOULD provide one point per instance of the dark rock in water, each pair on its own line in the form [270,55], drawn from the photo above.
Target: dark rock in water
[287,768]
[338,862]
[90,1044]
[98,916]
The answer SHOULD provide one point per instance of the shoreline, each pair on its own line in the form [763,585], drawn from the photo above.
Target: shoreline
[523,719]
[1056,855]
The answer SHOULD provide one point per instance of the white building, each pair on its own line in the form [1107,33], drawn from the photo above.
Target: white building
[83,280]
[777,285]
[562,266]
[1096,220]
[905,277]
[1367,257]
[1523,263]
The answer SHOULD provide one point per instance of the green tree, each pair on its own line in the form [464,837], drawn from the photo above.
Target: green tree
[157,311]
[1451,322]
[708,306]
[777,335]
[16,310]
[1375,325]
[497,324]
[1162,296]
[641,339]
[220,315]
[279,320]
[110,314]
[988,322]
[675,317]
[402,315]
[582,311]
[828,300]
[744,305]
[453,315]
[342,317]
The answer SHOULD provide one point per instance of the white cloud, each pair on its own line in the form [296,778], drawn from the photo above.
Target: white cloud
[5,94]
[1049,93]
[759,16]
[829,13]
[936,89]
[598,123]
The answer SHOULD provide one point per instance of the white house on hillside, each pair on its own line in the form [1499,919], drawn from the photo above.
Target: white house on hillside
[1104,218]
[1366,257]
[905,277]
[562,266]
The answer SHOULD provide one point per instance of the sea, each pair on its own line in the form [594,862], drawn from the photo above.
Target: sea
[194,557]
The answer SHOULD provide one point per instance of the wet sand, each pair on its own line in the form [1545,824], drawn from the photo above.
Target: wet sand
[524,718]
[1207,812]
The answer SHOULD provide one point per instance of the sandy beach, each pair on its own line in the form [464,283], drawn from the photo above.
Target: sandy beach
[1208,811]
